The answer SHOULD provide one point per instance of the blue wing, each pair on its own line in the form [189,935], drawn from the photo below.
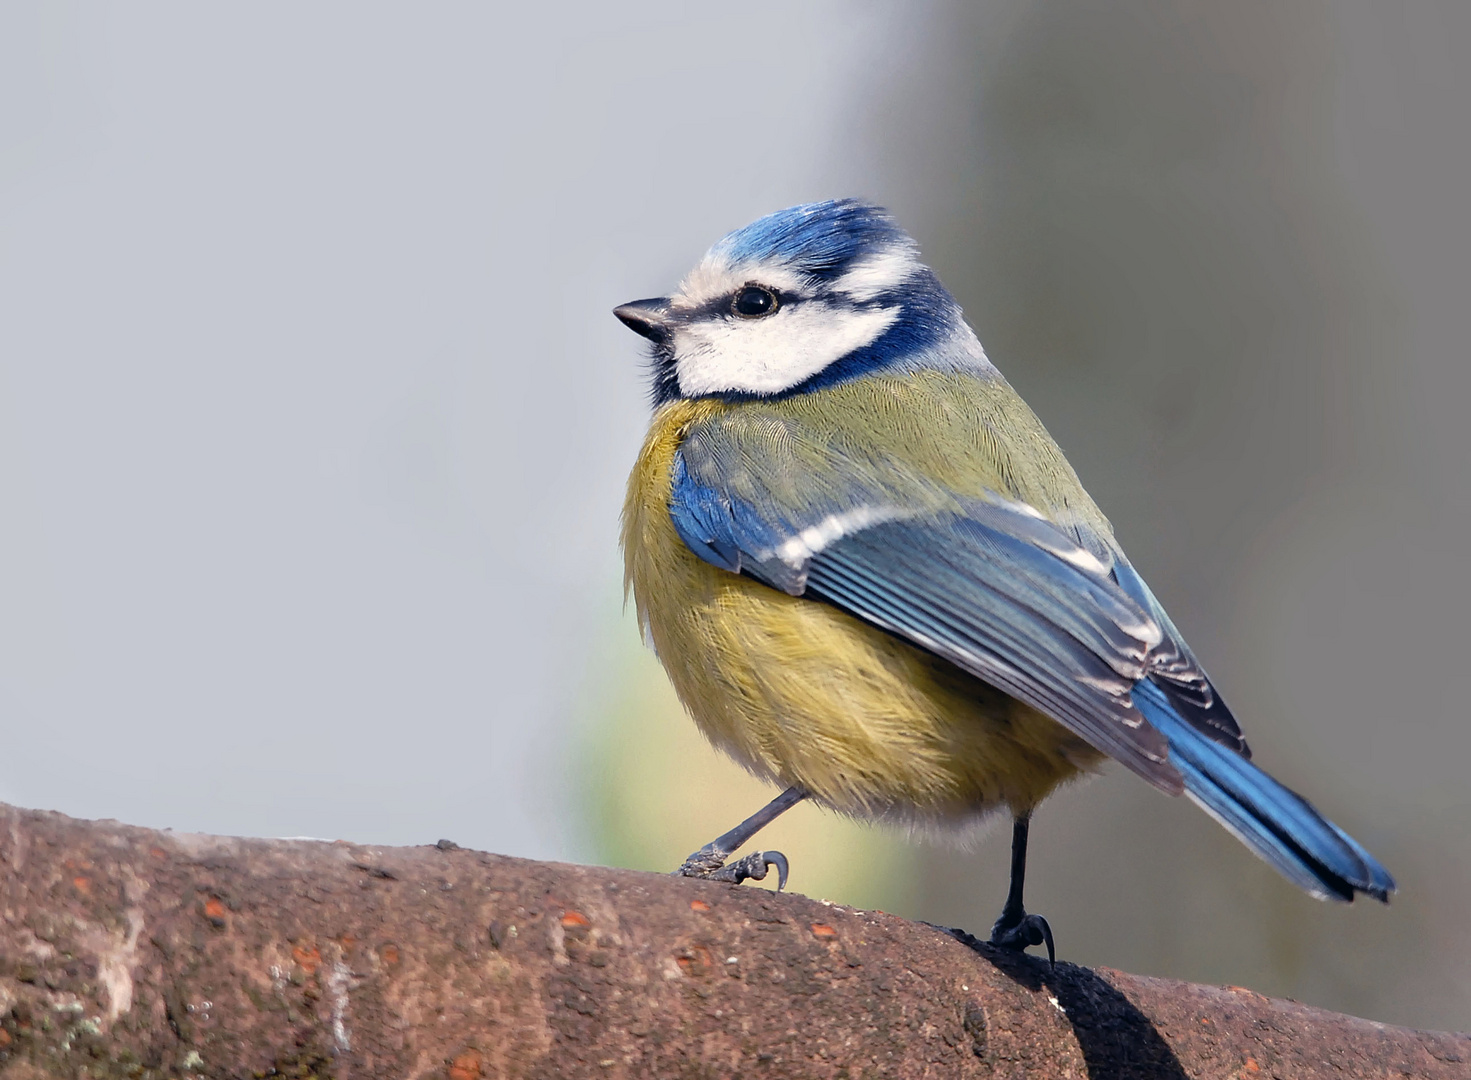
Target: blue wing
[996,590]
[977,591]
[1059,620]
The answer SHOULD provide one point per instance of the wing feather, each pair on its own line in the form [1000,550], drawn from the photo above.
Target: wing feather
[1043,607]
[994,608]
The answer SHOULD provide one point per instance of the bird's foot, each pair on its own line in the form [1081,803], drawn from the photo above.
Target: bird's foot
[1021,931]
[711,866]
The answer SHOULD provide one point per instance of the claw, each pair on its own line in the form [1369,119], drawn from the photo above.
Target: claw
[752,866]
[1031,930]
[709,861]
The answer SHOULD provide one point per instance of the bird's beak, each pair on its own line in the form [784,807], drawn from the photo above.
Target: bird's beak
[647,318]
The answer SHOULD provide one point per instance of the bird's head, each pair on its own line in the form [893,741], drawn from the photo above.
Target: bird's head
[801,299]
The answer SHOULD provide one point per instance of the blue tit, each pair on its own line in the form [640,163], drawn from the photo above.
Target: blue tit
[874,579]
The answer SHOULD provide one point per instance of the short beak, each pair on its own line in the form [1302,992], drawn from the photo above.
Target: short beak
[648,318]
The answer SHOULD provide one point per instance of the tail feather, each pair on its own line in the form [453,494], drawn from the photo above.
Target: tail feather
[1276,823]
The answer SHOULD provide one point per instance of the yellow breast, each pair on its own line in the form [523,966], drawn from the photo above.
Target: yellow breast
[802,694]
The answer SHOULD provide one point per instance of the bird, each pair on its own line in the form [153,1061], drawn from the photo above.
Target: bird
[874,580]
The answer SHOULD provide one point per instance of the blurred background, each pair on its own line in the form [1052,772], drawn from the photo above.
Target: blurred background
[314,421]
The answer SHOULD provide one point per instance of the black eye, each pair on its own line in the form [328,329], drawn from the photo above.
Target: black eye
[753,301]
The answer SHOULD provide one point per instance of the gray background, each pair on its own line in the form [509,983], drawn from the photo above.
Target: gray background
[313,422]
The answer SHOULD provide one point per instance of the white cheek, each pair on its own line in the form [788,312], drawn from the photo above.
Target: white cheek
[766,356]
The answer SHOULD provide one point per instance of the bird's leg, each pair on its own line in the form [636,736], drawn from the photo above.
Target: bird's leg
[709,861]
[1016,929]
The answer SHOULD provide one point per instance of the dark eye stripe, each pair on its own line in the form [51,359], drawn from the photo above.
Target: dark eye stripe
[723,307]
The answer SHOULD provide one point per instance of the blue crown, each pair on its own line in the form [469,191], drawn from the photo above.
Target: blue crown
[819,239]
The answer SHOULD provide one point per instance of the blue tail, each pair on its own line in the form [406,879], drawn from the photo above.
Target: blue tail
[1279,825]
